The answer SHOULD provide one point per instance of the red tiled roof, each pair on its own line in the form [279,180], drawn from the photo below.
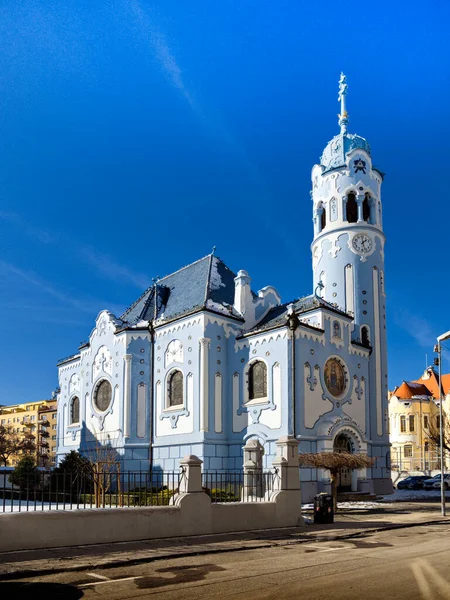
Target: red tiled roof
[425,386]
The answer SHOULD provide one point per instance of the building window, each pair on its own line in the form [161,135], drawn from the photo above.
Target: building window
[426,447]
[257,380]
[54,426]
[403,423]
[75,410]
[53,437]
[175,389]
[323,219]
[366,208]
[407,451]
[411,422]
[425,422]
[103,396]
[352,208]
[365,336]
[33,418]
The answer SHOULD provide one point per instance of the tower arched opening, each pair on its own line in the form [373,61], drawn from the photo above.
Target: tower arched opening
[366,208]
[352,208]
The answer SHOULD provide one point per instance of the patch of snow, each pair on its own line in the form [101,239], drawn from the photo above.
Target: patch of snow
[217,307]
[406,495]
[215,280]
[352,505]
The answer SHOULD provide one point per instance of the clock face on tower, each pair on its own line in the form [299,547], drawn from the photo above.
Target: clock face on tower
[362,243]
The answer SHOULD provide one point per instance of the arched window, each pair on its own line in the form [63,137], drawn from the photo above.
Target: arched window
[366,208]
[75,410]
[365,336]
[352,208]
[323,219]
[175,389]
[257,380]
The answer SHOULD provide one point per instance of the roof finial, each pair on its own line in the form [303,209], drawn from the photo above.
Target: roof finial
[343,117]
[213,250]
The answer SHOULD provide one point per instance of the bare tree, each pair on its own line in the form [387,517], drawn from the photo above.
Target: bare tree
[9,442]
[334,462]
[103,458]
[434,433]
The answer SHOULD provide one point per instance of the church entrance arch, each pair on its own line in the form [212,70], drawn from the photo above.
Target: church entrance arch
[342,443]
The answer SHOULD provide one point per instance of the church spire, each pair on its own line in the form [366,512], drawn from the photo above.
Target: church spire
[343,117]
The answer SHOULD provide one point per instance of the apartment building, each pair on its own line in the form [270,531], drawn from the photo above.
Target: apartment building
[35,422]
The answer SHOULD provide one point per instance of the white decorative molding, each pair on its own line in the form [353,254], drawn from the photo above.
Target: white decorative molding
[178,326]
[74,384]
[174,353]
[204,380]
[102,362]
[126,395]
[141,412]
[218,403]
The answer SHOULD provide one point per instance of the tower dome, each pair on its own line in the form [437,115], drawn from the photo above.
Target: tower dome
[335,152]
[334,155]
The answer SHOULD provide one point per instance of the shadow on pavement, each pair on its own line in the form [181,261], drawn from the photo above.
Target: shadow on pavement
[49,591]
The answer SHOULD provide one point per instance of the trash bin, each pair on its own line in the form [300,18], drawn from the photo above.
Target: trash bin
[323,508]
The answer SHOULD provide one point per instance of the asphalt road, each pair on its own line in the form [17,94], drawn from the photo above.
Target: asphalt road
[393,565]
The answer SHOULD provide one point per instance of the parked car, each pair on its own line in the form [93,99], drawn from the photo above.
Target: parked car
[429,483]
[437,485]
[414,482]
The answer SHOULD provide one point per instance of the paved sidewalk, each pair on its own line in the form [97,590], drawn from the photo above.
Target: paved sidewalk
[32,563]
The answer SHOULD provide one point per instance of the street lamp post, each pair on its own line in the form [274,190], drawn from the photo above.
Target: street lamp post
[441,338]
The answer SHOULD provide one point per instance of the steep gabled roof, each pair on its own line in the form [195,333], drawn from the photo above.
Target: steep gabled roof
[411,389]
[208,282]
[427,385]
[278,315]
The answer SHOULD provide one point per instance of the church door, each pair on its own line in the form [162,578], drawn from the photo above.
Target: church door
[343,444]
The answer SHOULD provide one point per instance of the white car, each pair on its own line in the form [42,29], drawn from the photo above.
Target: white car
[437,484]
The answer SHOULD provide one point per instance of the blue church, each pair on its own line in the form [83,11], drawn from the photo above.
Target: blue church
[201,362]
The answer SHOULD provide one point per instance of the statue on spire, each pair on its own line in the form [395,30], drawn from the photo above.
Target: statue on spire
[343,90]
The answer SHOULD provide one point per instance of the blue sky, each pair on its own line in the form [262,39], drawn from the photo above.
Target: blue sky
[134,136]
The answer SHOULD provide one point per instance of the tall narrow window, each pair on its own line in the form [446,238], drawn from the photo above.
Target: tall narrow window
[323,219]
[352,208]
[402,423]
[75,410]
[426,446]
[175,389]
[425,421]
[365,337]
[411,422]
[366,208]
[407,451]
[257,381]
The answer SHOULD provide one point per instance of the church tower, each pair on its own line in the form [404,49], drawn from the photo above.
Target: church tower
[348,258]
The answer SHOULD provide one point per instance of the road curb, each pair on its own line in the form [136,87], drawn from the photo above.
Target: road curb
[120,562]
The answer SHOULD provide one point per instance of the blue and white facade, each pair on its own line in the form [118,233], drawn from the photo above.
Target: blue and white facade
[241,364]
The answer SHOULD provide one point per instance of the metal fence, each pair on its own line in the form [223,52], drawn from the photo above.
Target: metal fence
[230,486]
[45,491]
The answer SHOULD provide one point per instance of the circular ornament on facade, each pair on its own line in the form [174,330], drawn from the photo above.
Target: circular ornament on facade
[142,350]
[362,243]
[242,360]
[142,361]
[103,396]
[335,377]
[218,337]
[312,351]
[141,372]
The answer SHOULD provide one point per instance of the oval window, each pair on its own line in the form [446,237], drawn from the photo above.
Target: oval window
[103,396]
[334,376]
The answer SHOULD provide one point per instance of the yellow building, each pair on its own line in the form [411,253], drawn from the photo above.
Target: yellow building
[35,421]
[413,409]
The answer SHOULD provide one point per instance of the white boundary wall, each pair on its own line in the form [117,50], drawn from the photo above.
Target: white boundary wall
[191,513]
